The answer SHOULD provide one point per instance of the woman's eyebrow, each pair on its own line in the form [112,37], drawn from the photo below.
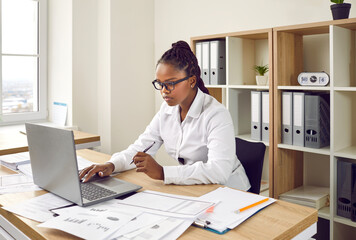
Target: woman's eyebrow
[170,79]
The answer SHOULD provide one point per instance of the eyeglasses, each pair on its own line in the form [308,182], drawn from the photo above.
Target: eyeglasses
[168,85]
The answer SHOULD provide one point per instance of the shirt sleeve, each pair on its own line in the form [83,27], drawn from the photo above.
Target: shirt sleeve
[221,155]
[122,160]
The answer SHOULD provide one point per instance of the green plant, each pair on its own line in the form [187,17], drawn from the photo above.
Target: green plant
[337,1]
[261,70]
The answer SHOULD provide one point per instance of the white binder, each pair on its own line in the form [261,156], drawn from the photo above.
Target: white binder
[217,62]
[265,116]
[298,118]
[256,133]
[287,117]
[198,54]
[206,62]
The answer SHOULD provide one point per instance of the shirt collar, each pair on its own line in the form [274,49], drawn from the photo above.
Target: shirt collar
[194,110]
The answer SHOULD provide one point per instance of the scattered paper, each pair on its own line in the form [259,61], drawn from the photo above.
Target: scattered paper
[94,222]
[168,203]
[14,183]
[38,208]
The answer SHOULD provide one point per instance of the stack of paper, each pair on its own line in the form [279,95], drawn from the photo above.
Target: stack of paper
[234,207]
[310,196]
[12,161]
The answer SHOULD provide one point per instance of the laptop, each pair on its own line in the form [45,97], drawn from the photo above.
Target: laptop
[55,169]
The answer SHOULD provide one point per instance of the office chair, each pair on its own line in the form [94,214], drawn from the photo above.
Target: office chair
[251,156]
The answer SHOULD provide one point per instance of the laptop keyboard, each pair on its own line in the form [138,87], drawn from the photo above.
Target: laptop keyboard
[92,192]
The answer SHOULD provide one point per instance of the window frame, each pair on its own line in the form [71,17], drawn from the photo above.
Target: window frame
[42,113]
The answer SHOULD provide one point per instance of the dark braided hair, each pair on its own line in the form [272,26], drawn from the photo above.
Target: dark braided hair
[181,57]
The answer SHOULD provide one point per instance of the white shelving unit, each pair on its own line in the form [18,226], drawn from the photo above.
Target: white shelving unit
[243,51]
[297,51]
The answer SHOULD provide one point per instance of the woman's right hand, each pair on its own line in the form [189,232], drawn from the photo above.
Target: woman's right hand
[102,170]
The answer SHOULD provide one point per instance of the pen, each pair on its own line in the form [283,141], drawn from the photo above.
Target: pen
[146,149]
[250,206]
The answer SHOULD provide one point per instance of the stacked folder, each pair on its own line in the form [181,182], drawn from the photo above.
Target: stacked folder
[346,189]
[12,161]
[305,119]
[310,196]
[212,61]
[260,115]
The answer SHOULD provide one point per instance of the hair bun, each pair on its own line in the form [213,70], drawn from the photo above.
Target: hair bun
[181,44]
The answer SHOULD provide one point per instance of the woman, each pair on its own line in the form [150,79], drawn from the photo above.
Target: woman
[195,128]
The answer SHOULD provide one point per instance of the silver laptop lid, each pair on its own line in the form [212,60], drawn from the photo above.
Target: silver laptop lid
[53,161]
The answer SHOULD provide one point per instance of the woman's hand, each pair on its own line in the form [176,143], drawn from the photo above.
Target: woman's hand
[145,163]
[102,170]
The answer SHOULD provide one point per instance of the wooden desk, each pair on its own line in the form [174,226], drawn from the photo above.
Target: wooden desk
[281,220]
[13,141]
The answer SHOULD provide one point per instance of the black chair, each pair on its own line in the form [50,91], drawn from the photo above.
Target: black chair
[251,155]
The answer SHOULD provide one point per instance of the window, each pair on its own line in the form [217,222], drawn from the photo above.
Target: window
[23,62]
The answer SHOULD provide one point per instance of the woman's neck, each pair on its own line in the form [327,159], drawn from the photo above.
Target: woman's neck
[185,106]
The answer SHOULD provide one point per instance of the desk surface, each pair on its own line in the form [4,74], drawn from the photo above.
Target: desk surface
[13,141]
[281,220]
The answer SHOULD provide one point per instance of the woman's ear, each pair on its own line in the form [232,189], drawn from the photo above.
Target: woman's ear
[192,81]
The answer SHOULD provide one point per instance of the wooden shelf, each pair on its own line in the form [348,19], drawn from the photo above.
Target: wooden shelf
[252,87]
[303,88]
[323,151]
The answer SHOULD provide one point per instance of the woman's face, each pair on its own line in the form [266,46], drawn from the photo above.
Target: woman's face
[166,73]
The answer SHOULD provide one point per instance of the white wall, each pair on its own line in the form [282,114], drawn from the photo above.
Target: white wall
[101,65]
[85,62]
[104,75]
[132,70]
[60,54]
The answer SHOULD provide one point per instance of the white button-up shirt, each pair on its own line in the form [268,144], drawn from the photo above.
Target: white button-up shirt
[205,140]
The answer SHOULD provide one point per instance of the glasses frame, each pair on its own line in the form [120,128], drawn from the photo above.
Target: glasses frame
[165,85]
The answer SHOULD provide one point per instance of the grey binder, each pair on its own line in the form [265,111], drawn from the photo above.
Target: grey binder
[206,62]
[265,116]
[317,121]
[217,62]
[198,54]
[256,133]
[344,174]
[298,118]
[287,117]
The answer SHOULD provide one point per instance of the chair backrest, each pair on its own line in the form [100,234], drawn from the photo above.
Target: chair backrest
[251,156]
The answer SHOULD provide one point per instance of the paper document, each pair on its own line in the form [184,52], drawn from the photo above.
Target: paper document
[16,183]
[225,214]
[12,161]
[38,208]
[26,169]
[155,231]
[98,221]
[168,203]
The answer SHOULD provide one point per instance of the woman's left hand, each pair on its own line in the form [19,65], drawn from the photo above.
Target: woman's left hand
[145,163]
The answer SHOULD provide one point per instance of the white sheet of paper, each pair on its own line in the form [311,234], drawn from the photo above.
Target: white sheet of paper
[26,187]
[93,222]
[155,231]
[14,179]
[38,208]
[16,157]
[26,169]
[59,115]
[168,203]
